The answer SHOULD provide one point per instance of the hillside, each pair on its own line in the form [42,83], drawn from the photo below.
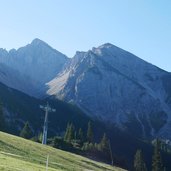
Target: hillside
[20,154]
[19,108]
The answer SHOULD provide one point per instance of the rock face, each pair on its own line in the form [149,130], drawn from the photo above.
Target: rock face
[107,83]
[29,68]
[115,86]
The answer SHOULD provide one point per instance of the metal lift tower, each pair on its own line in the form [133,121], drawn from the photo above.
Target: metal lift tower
[47,109]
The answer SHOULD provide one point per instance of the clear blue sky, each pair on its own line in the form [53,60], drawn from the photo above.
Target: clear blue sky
[142,27]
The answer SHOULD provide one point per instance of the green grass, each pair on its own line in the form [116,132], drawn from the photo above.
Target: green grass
[18,154]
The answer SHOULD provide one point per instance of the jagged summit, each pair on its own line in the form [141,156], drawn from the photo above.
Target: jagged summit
[37,42]
[32,66]
[106,45]
[110,49]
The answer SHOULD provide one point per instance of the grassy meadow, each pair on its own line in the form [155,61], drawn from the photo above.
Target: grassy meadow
[18,154]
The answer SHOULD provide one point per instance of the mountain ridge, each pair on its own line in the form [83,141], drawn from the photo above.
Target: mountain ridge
[92,67]
[107,82]
[37,63]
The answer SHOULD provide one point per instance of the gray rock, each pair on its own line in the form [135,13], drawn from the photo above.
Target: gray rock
[119,88]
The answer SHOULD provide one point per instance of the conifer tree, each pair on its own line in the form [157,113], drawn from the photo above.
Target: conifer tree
[26,132]
[80,135]
[89,132]
[104,145]
[66,132]
[139,164]
[69,134]
[40,137]
[156,160]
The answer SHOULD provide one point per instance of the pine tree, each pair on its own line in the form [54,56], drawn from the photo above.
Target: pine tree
[139,164]
[40,137]
[69,134]
[156,160]
[66,132]
[85,146]
[26,132]
[89,133]
[80,135]
[104,145]
[2,119]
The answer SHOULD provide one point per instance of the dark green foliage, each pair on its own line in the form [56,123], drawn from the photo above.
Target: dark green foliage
[156,160]
[89,132]
[99,150]
[2,119]
[38,138]
[69,133]
[104,147]
[26,132]
[59,143]
[139,164]
[80,135]
[90,147]
[66,132]
[104,143]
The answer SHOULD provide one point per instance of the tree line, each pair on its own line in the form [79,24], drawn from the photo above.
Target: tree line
[85,141]
[79,141]
[74,140]
[157,165]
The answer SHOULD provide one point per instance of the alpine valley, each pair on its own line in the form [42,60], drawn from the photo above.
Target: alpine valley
[119,92]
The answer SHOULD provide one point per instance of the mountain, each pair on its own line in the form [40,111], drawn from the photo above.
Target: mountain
[117,87]
[107,83]
[29,68]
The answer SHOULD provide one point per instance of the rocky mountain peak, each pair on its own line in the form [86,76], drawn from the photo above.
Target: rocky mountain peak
[106,46]
[34,65]
[116,86]
[37,41]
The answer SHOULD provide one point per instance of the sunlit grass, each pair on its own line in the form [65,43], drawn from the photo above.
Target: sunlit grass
[18,154]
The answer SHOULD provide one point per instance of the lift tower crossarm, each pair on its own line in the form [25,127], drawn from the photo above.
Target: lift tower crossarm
[47,109]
